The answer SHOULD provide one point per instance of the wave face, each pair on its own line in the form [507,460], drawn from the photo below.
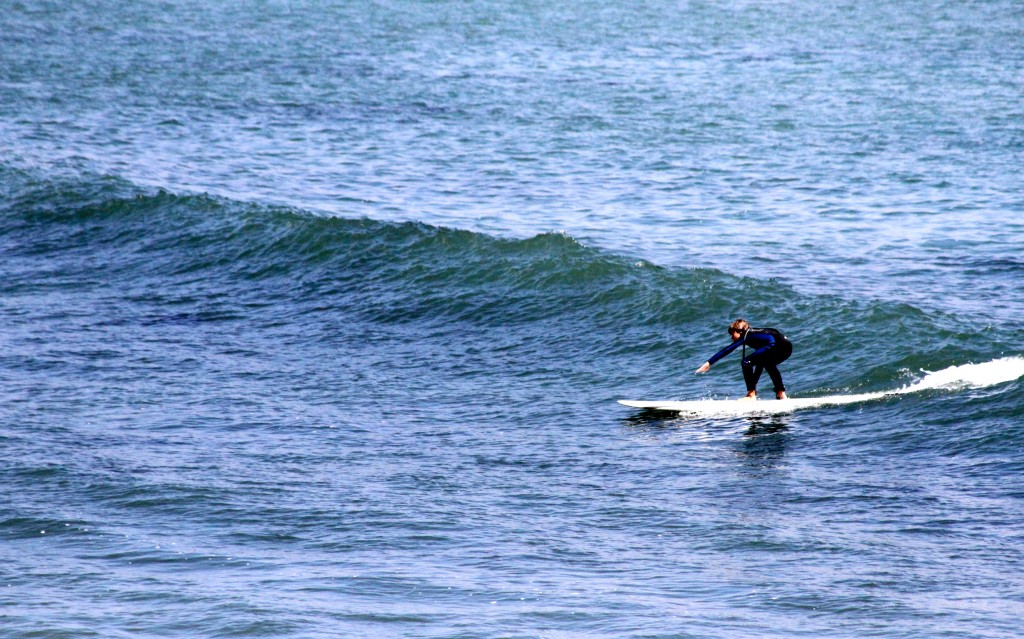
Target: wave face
[148,257]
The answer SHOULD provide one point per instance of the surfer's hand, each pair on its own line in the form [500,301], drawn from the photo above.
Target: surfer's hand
[704,368]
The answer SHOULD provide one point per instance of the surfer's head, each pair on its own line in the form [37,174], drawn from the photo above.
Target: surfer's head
[738,328]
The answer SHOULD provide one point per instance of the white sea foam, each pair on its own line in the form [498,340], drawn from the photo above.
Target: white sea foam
[991,373]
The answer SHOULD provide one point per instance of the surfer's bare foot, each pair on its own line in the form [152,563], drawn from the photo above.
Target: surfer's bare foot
[750,397]
[781,395]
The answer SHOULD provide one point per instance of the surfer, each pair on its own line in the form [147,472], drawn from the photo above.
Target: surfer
[771,348]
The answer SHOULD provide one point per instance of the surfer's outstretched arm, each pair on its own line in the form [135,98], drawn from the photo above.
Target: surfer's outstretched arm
[738,338]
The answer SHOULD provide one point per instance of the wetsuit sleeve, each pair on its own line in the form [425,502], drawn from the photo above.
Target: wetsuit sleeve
[725,351]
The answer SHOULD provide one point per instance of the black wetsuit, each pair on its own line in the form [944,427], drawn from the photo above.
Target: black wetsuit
[771,348]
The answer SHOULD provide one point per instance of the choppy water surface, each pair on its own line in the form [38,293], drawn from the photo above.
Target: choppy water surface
[315,315]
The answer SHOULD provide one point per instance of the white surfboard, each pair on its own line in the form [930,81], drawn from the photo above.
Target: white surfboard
[997,371]
[729,407]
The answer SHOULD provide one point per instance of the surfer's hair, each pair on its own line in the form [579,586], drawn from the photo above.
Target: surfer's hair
[739,326]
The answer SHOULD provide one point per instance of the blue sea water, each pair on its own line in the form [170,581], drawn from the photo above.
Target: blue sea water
[313,316]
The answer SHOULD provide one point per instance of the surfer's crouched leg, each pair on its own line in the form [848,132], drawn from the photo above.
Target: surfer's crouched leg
[751,373]
[785,350]
[773,372]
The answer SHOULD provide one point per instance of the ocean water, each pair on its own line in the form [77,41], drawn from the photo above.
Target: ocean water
[314,315]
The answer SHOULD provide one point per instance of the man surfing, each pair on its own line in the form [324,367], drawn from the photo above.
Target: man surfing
[771,348]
